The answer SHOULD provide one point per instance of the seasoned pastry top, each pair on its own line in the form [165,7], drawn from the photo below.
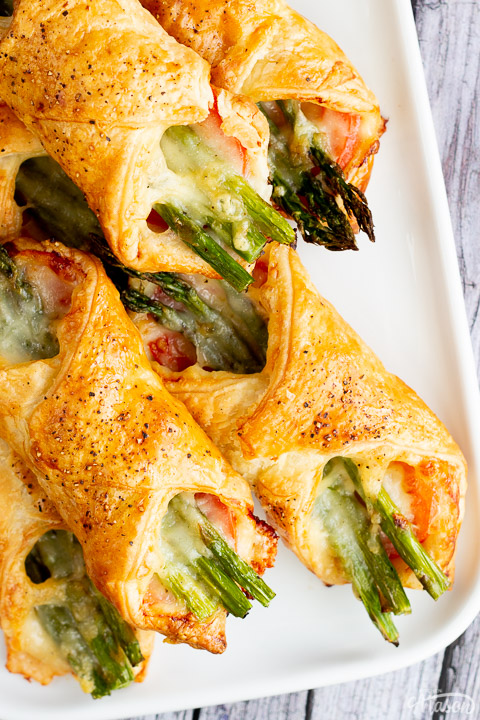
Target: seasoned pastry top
[266,50]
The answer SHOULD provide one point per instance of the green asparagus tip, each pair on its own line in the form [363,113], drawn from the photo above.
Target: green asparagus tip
[231,596]
[400,532]
[100,647]
[215,575]
[205,246]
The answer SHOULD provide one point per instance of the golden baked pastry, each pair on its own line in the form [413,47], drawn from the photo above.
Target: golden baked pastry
[16,145]
[306,86]
[131,117]
[28,522]
[324,415]
[192,320]
[148,496]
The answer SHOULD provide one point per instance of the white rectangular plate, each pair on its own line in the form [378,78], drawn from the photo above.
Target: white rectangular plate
[403,296]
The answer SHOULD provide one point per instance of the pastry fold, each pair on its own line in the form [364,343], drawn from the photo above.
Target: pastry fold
[27,514]
[16,145]
[268,51]
[99,85]
[111,448]
[324,394]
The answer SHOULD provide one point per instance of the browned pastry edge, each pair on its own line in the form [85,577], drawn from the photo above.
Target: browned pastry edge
[111,447]
[323,393]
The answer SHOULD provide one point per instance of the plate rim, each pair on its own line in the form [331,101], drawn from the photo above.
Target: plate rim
[317,677]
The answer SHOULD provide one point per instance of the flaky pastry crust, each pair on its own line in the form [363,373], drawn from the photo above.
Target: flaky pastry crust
[17,144]
[323,393]
[111,447]
[267,51]
[99,84]
[26,515]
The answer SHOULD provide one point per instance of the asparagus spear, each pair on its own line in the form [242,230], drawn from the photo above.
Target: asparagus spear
[220,349]
[399,530]
[201,242]
[229,593]
[233,565]
[197,155]
[60,209]
[184,584]
[94,628]
[25,330]
[237,568]
[225,342]
[349,533]
[59,206]
[247,242]
[270,222]
[212,570]
[98,644]
[311,186]
[122,631]
[60,624]
[238,320]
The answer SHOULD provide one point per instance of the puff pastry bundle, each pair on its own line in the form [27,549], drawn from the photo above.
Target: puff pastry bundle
[28,518]
[354,471]
[289,428]
[131,474]
[320,111]
[131,117]
[327,437]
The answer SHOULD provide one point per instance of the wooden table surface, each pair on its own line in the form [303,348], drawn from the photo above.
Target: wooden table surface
[449,33]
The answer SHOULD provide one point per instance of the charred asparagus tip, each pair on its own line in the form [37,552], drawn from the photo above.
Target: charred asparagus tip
[315,192]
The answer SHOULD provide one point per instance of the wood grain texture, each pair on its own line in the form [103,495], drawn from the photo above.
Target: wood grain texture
[449,35]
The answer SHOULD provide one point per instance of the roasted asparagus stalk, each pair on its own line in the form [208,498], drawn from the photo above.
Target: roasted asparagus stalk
[308,185]
[100,647]
[353,522]
[227,342]
[205,572]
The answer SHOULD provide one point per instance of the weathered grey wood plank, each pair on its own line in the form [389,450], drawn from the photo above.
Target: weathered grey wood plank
[280,707]
[183,715]
[449,34]
[452,68]
[397,695]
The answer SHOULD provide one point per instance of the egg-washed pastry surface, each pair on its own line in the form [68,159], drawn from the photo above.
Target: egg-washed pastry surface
[16,145]
[54,621]
[331,441]
[131,474]
[175,172]
[192,320]
[222,327]
[325,123]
